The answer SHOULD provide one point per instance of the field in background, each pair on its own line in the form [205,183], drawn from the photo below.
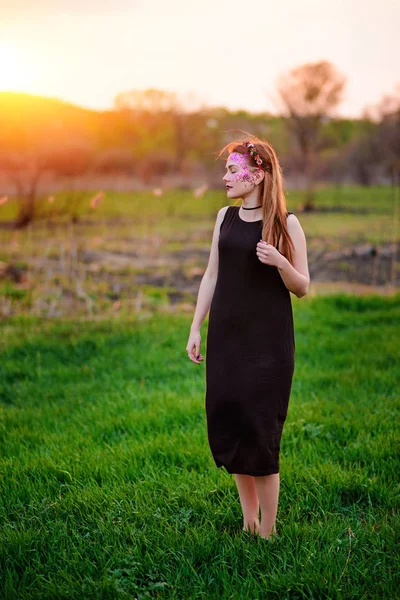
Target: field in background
[147,251]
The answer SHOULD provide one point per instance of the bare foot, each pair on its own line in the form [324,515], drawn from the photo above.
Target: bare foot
[254,527]
[270,536]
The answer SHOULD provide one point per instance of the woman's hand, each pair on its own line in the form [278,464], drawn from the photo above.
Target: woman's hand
[269,255]
[193,347]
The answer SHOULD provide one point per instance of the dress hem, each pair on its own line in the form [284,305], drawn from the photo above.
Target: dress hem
[246,472]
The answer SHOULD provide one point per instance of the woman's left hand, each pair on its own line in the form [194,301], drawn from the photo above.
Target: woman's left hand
[269,255]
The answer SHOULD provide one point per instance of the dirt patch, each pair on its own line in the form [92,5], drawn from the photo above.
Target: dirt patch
[143,275]
[183,269]
[364,264]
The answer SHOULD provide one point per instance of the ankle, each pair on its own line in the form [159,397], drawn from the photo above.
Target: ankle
[268,533]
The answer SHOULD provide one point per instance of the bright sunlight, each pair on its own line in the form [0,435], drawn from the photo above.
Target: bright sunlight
[15,68]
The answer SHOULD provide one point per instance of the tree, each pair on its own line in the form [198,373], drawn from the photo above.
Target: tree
[308,95]
[375,152]
[24,168]
[389,134]
[26,165]
[161,121]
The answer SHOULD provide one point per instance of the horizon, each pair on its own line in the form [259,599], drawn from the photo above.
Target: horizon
[100,110]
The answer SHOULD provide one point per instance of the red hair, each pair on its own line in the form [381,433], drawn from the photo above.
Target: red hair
[271,193]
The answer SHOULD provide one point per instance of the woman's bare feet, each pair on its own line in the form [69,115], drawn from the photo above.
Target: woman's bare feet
[268,535]
[253,526]
[249,501]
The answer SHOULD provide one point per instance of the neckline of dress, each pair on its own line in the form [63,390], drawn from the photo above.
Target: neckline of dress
[243,221]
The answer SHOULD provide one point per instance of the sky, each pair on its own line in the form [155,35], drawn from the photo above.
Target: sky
[211,53]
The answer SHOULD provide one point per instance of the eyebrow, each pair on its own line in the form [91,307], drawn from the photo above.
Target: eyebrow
[232,165]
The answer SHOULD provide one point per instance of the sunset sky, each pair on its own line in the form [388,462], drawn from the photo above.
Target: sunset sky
[225,53]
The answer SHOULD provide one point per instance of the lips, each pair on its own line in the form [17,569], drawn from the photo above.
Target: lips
[228,187]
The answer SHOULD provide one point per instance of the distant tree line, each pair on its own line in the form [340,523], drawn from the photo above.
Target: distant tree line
[150,134]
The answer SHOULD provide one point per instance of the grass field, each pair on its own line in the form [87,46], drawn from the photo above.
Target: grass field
[362,214]
[139,251]
[108,488]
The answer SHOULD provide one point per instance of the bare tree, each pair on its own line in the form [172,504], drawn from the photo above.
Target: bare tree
[308,95]
[25,167]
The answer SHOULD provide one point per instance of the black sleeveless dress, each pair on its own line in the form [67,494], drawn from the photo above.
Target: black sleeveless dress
[250,354]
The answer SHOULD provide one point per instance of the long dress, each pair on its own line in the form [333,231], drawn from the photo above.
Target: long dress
[250,354]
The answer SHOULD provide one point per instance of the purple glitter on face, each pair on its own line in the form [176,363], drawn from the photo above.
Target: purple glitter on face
[240,159]
[244,175]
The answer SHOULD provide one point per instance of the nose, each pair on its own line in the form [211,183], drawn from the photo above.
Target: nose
[225,177]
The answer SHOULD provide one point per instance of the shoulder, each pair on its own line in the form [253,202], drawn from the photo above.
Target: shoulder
[294,225]
[223,210]
[220,217]
[292,220]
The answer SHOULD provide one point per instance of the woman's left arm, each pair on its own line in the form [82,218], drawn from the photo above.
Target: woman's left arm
[296,277]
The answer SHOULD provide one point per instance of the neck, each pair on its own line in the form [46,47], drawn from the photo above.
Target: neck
[251,204]
[251,207]
[251,201]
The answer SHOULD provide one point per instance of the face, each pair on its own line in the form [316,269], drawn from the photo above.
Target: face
[240,177]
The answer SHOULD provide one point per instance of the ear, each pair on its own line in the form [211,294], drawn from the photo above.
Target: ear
[259,175]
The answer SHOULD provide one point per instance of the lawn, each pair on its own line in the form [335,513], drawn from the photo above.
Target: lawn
[108,488]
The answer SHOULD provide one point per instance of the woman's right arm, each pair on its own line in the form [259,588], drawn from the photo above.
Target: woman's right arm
[207,285]
[206,291]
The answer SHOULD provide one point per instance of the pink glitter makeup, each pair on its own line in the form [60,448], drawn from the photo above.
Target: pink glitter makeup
[244,175]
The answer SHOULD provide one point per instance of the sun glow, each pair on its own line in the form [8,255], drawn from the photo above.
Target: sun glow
[16,73]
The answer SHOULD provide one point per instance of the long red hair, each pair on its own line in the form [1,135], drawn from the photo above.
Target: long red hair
[271,192]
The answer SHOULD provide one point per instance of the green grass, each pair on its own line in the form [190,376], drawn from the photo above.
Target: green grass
[108,488]
[143,205]
[356,214]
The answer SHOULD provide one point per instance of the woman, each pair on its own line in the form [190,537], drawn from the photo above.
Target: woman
[258,256]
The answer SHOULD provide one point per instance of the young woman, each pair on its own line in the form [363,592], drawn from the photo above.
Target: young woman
[258,256]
